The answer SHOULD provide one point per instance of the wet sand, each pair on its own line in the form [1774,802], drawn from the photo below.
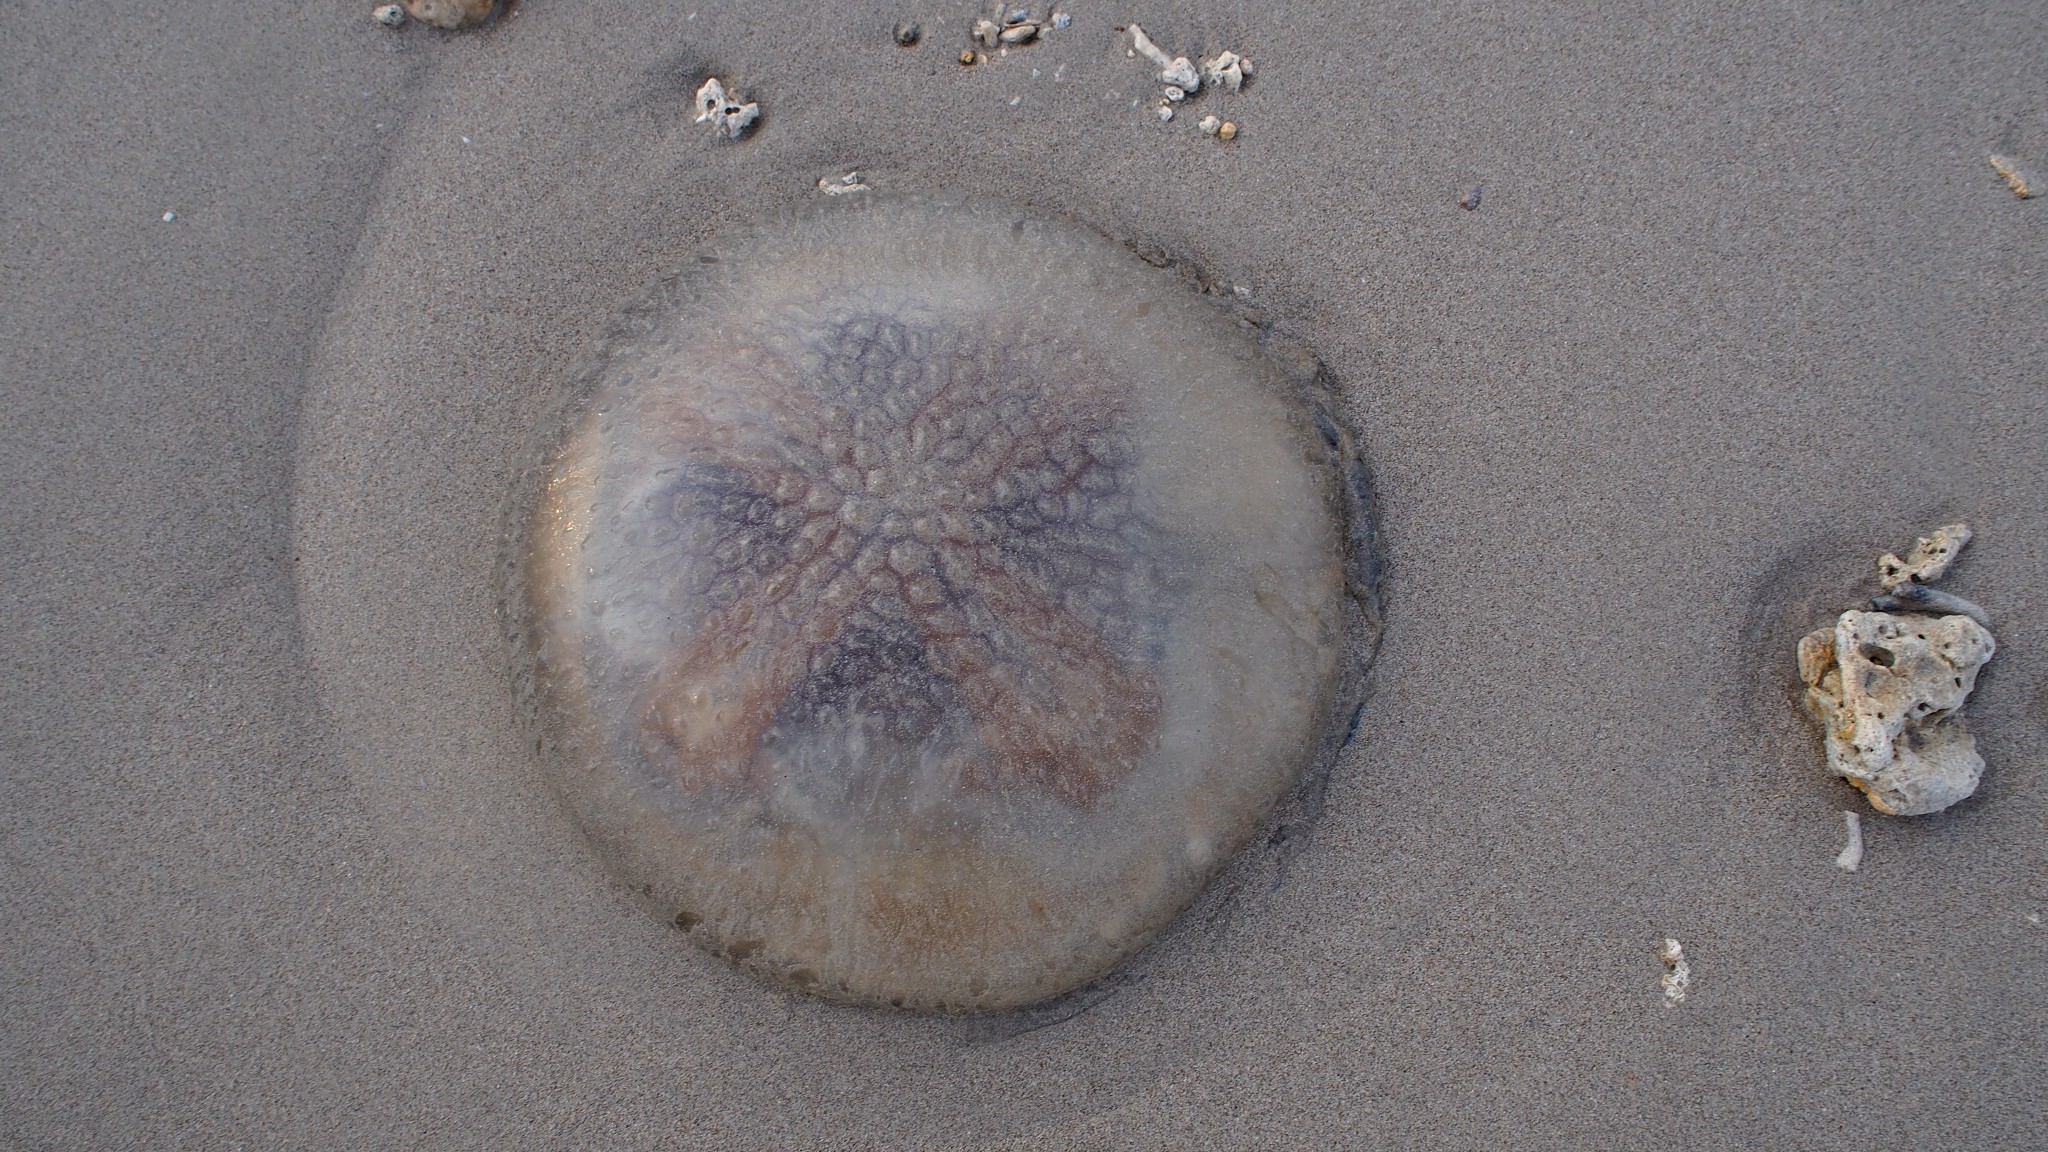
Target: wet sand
[1742,305]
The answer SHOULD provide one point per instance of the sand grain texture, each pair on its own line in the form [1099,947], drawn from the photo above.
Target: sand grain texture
[1742,306]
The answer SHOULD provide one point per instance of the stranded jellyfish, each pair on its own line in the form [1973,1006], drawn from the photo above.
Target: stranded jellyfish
[920,599]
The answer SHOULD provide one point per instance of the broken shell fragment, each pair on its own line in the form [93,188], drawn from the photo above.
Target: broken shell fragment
[987,33]
[907,33]
[1209,125]
[1915,598]
[389,15]
[728,117]
[2018,179]
[922,622]
[841,185]
[1226,130]
[450,13]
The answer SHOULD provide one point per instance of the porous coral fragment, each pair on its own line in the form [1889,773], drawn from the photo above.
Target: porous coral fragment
[1886,689]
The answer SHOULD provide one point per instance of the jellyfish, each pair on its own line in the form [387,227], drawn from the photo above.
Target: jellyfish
[917,600]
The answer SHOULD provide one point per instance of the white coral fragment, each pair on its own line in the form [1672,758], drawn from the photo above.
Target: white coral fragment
[1851,857]
[1227,71]
[727,115]
[1929,559]
[1886,690]
[1176,71]
[1678,981]
[1888,685]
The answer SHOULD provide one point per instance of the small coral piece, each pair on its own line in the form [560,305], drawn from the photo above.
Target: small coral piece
[449,13]
[1678,980]
[1177,71]
[1928,561]
[728,116]
[1227,71]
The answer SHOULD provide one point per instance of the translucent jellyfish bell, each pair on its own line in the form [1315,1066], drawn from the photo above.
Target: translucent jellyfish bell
[926,597]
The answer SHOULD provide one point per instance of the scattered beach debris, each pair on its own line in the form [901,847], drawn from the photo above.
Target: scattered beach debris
[1888,685]
[389,15]
[1679,979]
[1470,200]
[728,116]
[1852,853]
[1227,71]
[2021,181]
[841,185]
[908,33]
[969,57]
[450,13]
[1009,27]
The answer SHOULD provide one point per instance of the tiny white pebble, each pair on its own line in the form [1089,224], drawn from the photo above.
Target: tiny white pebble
[1165,113]
[1016,100]
[390,16]
[465,139]
[169,216]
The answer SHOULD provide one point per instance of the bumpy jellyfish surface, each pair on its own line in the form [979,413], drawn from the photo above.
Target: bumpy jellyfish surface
[926,597]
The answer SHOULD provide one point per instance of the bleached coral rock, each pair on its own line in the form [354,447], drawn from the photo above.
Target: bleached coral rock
[1928,561]
[1887,689]
[728,116]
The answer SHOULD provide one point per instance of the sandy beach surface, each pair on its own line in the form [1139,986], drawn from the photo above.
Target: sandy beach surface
[283,291]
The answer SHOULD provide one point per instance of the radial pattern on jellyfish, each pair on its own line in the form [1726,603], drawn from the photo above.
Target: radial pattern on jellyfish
[927,596]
